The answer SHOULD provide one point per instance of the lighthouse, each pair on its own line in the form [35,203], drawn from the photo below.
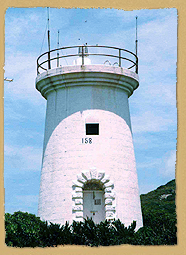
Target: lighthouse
[88,164]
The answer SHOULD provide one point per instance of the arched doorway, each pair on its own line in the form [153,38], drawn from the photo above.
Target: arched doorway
[87,182]
[93,200]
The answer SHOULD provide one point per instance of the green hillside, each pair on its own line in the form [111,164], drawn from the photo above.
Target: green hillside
[161,200]
[159,216]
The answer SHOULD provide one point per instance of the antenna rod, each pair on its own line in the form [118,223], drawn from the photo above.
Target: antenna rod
[49,67]
[58,50]
[136,36]
[136,44]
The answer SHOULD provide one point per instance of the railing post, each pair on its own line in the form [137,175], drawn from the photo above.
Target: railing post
[137,65]
[37,67]
[82,56]
[119,57]
[49,67]
[57,58]
[58,49]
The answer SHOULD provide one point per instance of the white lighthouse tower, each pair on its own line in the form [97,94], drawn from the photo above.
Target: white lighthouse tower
[88,167]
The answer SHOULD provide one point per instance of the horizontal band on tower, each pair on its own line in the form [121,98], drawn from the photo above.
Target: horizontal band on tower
[90,75]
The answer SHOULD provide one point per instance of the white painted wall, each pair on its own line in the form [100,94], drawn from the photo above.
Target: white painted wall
[74,99]
[66,156]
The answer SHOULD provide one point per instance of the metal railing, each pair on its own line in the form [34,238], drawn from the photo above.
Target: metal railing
[83,52]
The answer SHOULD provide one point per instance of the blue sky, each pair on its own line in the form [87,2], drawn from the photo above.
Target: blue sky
[152,106]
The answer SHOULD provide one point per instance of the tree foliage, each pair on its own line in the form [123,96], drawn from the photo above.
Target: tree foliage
[159,226]
[27,230]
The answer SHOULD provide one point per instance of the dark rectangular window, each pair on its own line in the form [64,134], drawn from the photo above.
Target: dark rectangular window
[92,129]
[97,201]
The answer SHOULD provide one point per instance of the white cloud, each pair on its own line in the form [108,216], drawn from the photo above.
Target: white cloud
[16,27]
[158,48]
[162,170]
[13,114]
[163,94]
[25,159]
[148,121]
[27,135]
[169,165]
[150,163]
[19,62]
[22,68]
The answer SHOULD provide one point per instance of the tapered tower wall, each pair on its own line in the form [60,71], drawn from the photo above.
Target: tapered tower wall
[77,95]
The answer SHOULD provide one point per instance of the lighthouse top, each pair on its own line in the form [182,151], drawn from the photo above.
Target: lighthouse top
[87,62]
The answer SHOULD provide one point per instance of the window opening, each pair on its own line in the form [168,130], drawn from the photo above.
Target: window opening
[92,129]
[97,201]
[93,185]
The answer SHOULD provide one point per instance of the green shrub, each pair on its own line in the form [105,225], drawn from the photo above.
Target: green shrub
[159,220]
[27,230]
[23,229]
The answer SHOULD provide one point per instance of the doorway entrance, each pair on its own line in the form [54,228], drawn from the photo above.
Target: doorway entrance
[93,201]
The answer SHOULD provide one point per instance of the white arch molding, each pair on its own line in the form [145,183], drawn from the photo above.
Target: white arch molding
[77,193]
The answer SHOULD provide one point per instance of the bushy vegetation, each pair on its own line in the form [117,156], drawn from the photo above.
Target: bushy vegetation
[159,219]
[159,216]
[27,230]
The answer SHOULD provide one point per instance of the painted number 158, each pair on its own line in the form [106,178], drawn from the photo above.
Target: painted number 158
[87,140]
